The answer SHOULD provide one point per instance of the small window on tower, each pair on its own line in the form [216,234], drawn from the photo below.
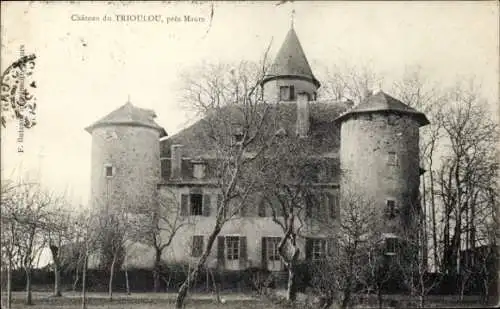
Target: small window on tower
[392,158]
[109,171]
[391,209]
[287,93]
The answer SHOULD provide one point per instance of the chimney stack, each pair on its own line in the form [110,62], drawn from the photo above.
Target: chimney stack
[302,114]
[176,161]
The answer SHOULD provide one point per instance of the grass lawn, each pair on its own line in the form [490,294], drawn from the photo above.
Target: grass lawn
[70,300]
[137,300]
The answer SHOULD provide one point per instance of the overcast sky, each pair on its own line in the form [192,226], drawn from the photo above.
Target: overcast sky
[86,69]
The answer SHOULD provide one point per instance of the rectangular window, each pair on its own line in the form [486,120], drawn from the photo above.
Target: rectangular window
[287,93]
[233,248]
[318,249]
[390,245]
[392,159]
[197,246]
[109,171]
[196,204]
[272,248]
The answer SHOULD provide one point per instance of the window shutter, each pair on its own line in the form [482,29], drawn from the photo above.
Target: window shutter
[196,245]
[220,251]
[206,205]
[330,200]
[243,252]
[309,206]
[292,93]
[264,253]
[309,244]
[331,246]
[184,204]
[243,211]
[193,245]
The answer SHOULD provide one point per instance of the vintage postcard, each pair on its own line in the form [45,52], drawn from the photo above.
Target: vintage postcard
[266,154]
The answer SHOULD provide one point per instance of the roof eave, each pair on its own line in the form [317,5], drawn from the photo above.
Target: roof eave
[291,76]
[420,117]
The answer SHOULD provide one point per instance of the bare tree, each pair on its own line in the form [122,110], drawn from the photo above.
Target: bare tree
[114,235]
[58,232]
[411,259]
[348,82]
[229,99]
[290,192]
[358,233]
[86,240]
[465,175]
[10,233]
[158,228]
[27,216]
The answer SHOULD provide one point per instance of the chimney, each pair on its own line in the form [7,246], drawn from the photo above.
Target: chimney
[302,114]
[349,103]
[176,161]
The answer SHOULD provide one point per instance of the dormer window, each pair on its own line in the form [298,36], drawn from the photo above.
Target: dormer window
[199,168]
[287,93]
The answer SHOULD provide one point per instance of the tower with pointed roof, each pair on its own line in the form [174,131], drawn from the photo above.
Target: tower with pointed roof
[290,74]
[125,160]
[379,158]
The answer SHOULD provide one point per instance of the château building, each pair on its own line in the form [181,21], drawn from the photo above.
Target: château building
[376,143]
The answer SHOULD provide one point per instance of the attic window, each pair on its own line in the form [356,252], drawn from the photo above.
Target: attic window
[199,168]
[287,93]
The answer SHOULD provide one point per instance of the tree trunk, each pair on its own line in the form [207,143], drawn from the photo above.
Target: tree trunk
[29,298]
[127,285]
[380,298]
[57,271]
[422,301]
[193,274]
[291,293]
[84,283]
[9,283]
[111,275]
[156,271]
[77,278]
[57,280]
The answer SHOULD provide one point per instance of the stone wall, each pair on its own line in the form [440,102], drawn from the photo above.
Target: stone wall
[133,152]
[366,143]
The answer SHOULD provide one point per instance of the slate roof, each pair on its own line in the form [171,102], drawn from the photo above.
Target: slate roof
[382,102]
[129,114]
[323,138]
[291,61]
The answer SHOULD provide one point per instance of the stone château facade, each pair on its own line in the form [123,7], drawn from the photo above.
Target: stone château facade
[375,143]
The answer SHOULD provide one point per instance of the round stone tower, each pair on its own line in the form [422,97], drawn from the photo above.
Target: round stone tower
[125,168]
[379,158]
[290,73]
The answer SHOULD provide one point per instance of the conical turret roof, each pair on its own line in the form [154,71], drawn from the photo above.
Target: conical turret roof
[382,102]
[291,61]
[129,114]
